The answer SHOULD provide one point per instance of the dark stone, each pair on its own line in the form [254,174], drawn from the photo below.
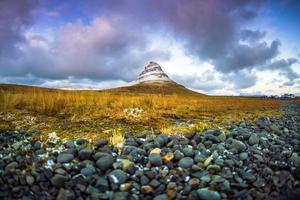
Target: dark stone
[85,154]
[155,159]
[58,180]
[64,157]
[186,162]
[118,177]
[105,163]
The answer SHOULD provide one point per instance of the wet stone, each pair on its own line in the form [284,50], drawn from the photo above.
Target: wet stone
[186,163]
[155,159]
[65,157]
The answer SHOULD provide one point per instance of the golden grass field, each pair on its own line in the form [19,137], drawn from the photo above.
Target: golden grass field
[97,114]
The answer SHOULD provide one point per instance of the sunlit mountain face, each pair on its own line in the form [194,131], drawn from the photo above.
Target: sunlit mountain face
[212,46]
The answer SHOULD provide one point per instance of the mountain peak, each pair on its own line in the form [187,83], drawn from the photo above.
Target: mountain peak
[153,73]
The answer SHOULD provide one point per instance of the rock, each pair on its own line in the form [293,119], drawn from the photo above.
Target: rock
[102,184]
[100,143]
[62,195]
[161,140]
[126,164]
[254,139]
[217,179]
[89,170]
[222,137]
[194,183]
[70,144]
[144,180]
[37,145]
[186,162]
[118,177]
[154,183]
[120,196]
[80,141]
[171,190]
[92,190]
[125,187]
[206,178]
[214,168]
[146,189]
[58,180]
[168,157]
[85,154]
[295,159]
[238,145]
[243,155]
[188,151]
[11,167]
[243,124]
[245,133]
[105,162]
[155,159]
[178,155]
[206,194]
[199,158]
[274,128]
[64,157]
[29,180]
[156,150]
[161,197]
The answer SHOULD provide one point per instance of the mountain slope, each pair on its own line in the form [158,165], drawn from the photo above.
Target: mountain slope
[153,80]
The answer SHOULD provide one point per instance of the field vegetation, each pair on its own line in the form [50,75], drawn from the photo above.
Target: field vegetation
[98,114]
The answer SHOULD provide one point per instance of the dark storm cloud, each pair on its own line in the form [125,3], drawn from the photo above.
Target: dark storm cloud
[245,56]
[208,28]
[15,17]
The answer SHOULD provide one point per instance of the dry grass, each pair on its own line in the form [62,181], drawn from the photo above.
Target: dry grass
[92,113]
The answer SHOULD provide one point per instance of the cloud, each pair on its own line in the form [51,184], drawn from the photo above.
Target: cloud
[251,36]
[208,81]
[15,18]
[241,79]
[102,50]
[245,56]
[284,66]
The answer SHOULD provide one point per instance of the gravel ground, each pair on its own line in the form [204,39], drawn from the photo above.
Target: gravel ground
[251,161]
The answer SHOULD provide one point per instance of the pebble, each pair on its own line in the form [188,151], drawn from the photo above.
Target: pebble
[155,159]
[105,162]
[146,189]
[206,194]
[29,180]
[243,155]
[238,145]
[65,157]
[85,154]
[118,177]
[186,163]
[58,180]
[254,139]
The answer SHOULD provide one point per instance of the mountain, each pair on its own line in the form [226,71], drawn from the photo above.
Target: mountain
[153,80]
[153,73]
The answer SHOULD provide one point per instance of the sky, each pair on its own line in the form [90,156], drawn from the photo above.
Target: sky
[218,47]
